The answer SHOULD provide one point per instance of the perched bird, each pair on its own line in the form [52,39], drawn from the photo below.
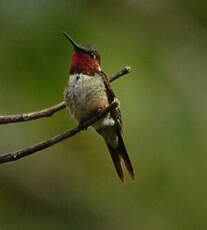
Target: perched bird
[88,92]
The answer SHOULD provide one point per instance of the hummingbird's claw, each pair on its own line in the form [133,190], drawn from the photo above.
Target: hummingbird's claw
[116,100]
[99,110]
[80,125]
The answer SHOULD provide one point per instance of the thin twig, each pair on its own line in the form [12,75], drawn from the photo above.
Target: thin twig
[125,70]
[5,119]
[13,156]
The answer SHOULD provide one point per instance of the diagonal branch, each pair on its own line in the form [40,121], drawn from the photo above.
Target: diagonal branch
[12,156]
[5,119]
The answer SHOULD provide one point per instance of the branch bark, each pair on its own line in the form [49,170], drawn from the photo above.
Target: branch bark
[13,156]
[5,119]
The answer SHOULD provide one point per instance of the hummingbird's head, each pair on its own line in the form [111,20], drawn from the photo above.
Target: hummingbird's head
[85,59]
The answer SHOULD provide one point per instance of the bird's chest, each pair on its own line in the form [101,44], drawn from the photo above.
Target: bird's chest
[84,89]
[84,95]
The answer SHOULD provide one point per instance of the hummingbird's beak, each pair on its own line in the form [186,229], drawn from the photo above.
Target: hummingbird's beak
[75,45]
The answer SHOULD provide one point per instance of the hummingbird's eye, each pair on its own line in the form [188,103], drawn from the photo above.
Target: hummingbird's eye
[92,54]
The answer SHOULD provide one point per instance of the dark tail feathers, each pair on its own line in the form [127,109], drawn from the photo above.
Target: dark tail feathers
[118,154]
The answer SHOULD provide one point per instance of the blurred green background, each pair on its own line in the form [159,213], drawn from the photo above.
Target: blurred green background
[73,185]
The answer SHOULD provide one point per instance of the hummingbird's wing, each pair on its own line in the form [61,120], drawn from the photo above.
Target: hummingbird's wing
[118,151]
[116,113]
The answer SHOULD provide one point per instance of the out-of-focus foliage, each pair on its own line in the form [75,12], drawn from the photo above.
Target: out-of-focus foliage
[73,185]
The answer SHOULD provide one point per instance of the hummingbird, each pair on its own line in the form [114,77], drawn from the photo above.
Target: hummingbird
[87,93]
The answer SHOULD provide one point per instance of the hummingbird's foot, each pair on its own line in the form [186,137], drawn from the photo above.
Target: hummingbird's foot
[80,125]
[99,110]
[116,100]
